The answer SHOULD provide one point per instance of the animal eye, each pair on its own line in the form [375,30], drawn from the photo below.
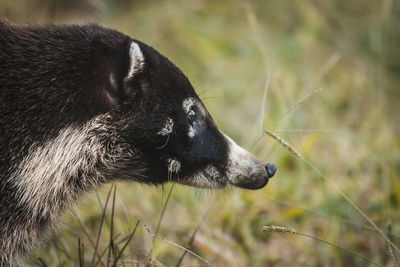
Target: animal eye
[191,116]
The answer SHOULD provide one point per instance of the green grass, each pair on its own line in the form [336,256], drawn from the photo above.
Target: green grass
[348,130]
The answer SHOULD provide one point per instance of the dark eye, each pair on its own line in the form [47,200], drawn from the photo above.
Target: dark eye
[191,116]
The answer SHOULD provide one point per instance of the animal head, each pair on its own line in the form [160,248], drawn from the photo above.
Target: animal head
[158,113]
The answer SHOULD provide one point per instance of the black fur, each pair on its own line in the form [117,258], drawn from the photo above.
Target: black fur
[60,78]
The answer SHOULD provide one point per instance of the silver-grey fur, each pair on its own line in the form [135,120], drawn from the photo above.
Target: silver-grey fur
[54,175]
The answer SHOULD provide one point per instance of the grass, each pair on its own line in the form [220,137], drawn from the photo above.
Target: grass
[283,229]
[259,65]
[335,187]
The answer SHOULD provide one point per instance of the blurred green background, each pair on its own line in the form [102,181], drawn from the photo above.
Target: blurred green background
[324,75]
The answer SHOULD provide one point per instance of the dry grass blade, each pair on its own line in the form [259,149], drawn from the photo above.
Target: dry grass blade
[335,187]
[161,217]
[304,131]
[175,245]
[300,102]
[330,63]
[105,250]
[111,243]
[101,226]
[255,27]
[41,261]
[126,244]
[278,229]
[191,240]
[284,143]
[264,101]
[121,202]
[102,207]
[63,249]
[284,229]
[83,229]
[80,253]
[153,262]
[395,262]
[58,256]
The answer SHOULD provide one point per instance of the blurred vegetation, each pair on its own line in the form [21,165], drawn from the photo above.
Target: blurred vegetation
[235,52]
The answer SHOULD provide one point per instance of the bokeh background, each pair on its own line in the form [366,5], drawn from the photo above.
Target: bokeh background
[324,75]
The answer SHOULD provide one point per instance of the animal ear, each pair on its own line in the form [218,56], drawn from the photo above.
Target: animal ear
[136,61]
[126,65]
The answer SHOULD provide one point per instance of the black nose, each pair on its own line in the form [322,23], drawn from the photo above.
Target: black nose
[271,169]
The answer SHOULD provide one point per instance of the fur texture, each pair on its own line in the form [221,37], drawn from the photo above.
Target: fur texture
[82,105]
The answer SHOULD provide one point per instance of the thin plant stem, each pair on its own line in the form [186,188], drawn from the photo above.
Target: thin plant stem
[304,131]
[300,102]
[263,102]
[102,207]
[105,250]
[42,263]
[283,229]
[191,240]
[161,217]
[339,247]
[101,226]
[126,244]
[111,243]
[175,245]
[58,255]
[389,226]
[396,264]
[63,248]
[80,252]
[83,228]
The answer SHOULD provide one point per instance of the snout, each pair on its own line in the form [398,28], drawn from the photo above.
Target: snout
[253,174]
[271,169]
[245,170]
[257,174]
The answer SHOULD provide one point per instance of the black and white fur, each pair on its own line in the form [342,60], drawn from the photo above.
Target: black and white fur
[80,106]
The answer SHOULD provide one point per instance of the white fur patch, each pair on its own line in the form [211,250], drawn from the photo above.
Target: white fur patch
[55,173]
[186,105]
[136,60]
[174,166]
[242,164]
[206,178]
[212,176]
[168,127]
[191,132]
[236,152]
[46,177]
